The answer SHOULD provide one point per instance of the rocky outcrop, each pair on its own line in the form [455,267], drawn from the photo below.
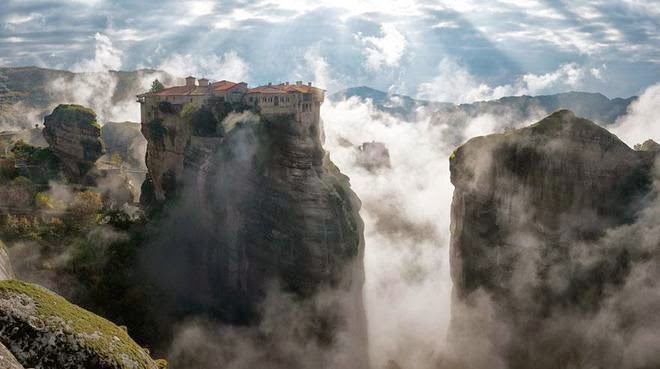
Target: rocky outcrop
[44,331]
[545,247]
[6,270]
[373,156]
[167,139]
[7,359]
[261,206]
[74,136]
[648,145]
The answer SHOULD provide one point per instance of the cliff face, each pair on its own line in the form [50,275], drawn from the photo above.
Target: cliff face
[259,210]
[167,139]
[73,135]
[537,267]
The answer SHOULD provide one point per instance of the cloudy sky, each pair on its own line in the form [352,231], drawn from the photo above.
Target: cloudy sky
[453,50]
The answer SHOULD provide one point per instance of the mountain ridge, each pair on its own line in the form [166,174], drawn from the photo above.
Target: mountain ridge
[591,105]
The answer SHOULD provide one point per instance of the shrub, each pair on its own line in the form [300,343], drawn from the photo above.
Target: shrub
[44,201]
[187,111]
[85,209]
[156,86]
[166,107]
[157,130]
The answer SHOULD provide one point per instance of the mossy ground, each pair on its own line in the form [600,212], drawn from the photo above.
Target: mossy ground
[109,341]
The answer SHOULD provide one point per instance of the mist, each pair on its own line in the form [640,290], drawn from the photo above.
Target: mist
[406,211]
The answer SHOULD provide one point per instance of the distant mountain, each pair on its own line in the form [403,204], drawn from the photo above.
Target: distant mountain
[401,105]
[593,106]
[27,94]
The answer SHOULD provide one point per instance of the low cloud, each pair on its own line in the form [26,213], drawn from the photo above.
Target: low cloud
[97,87]
[642,121]
[405,210]
[229,66]
[106,57]
[454,83]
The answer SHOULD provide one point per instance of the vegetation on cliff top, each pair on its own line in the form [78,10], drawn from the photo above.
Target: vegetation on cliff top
[77,113]
[40,165]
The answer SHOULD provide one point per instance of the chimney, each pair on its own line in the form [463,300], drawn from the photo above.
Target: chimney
[190,81]
[270,83]
[287,83]
[298,83]
[309,84]
[203,82]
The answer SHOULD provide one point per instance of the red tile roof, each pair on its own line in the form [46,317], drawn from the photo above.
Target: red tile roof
[283,88]
[183,91]
[222,86]
[265,90]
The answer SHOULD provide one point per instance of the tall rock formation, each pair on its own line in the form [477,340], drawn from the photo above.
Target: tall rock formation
[256,210]
[74,137]
[554,233]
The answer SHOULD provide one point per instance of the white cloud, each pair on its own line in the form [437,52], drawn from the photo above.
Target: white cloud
[383,51]
[16,19]
[106,57]
[642,122]
[446,24]
[406,214]
[316,66]
[95,87]
[454,83]
[200,8]
[228,66]
[597,72]
[568,75]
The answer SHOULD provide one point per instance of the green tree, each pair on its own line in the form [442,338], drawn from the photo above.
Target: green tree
[84,209]
[116,159]
[156,86]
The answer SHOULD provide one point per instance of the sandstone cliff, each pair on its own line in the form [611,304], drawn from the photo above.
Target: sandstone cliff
[256,205]
[546,246]
[43,330]
[73,135]
[7,359]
